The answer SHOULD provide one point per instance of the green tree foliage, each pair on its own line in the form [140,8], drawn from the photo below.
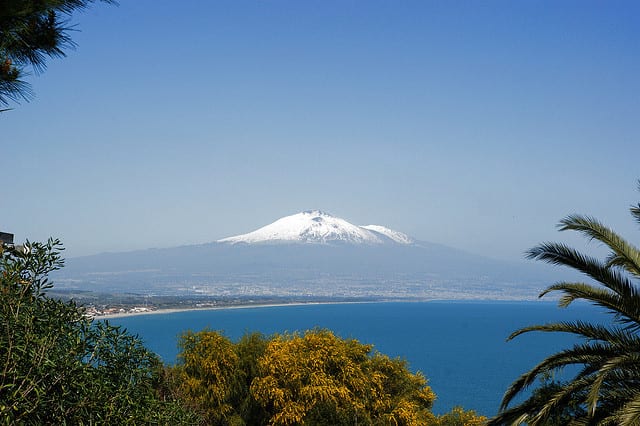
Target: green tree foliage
[315,378]
[250,349]
[606,390]
[459,417]
[60,367]
[30,32]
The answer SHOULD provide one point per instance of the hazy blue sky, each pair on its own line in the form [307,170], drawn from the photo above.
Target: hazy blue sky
[473,124]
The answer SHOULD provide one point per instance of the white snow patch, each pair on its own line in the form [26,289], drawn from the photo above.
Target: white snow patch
[396,236]
[318,227]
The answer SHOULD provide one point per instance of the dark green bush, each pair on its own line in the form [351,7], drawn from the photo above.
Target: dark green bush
[59,366]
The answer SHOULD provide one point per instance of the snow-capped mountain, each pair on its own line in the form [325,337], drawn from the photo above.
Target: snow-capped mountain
[309,254]
[318,227]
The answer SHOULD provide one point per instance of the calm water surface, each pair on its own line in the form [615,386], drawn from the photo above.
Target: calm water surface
[459,346]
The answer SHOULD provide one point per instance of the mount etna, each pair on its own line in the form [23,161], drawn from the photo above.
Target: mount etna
[309,254]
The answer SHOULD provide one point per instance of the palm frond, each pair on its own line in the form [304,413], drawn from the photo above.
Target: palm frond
[608,369]
[629,414]
[625,309]
[535,411]
[624,254]
[635,210]
[613,336]
[608,384]
[562,396]
[561,254]
[513,416]
[580,354]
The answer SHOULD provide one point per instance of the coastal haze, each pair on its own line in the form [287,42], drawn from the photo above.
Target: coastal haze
[311,255]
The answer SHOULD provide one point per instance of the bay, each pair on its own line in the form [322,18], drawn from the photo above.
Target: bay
[460,347]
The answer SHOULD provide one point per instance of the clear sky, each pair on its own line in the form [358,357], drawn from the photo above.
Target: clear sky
[473,124]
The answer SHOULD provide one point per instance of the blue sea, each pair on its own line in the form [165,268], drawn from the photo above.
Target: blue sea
[459,346]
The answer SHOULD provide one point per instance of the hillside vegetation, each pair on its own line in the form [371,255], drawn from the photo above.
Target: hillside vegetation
[61,367]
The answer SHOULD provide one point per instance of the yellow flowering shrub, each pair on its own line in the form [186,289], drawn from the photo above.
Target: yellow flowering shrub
[314,378]
[319,378]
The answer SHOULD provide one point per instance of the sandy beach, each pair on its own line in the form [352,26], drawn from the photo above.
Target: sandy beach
[217,308]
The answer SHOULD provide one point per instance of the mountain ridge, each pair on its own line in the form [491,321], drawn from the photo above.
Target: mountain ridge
[318,227]
[306,255]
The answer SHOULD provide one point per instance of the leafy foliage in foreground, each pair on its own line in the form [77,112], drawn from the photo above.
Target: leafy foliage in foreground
[606,390]
[315,378]
[59,367]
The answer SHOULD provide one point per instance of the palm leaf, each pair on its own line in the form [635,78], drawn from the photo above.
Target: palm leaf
[561,254]
[623,255]
[614,336]
[608,384]
[629,414]
[625,309]
[560,398]
[578,355]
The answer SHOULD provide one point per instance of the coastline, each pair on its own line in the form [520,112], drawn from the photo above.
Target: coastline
[343,302]
[218,308]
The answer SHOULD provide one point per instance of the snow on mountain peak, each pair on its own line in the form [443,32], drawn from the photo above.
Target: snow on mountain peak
[396,236]
[318,227]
